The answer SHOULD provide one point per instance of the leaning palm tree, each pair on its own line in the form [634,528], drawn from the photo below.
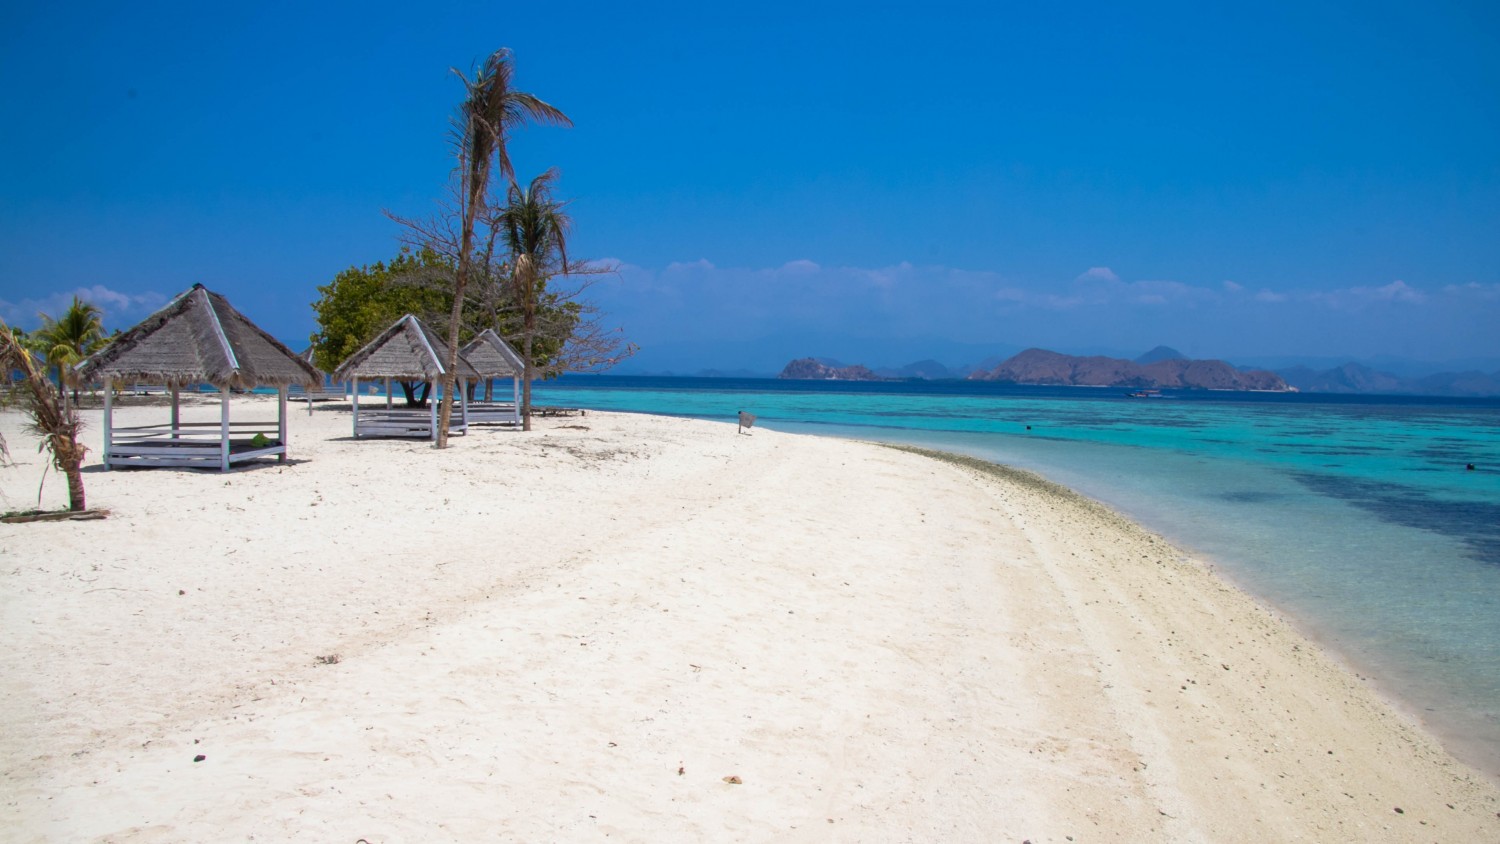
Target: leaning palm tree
[66,341]
[535,227]
[51,417]
[490,110]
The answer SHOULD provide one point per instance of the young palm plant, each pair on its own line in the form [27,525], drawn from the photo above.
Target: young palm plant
[535,227]
[66,341]
[490,110]
[51,418]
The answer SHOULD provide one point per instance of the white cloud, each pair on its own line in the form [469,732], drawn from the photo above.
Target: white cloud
[620,265]
[800,267]
[1101,287]
[680,266]
[1397,292]
[1473,290]
[1162,292]
[699,301]
[120,309]
[1097,274]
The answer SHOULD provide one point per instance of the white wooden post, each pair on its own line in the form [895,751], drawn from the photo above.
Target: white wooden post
[175,412]
[387,394]
[354,400]
[224,429]
[463,396]
[281,421]
[515,395]
[109,421]
[432,406]
[489,387]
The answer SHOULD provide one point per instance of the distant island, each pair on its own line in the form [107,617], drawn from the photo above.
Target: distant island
[1356,378]
[1165,370]
[1160,368]
[812,369]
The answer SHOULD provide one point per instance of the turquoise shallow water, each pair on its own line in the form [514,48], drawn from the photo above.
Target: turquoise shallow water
[1355,517]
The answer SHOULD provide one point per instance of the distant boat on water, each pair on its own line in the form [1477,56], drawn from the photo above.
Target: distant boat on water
[1145,394]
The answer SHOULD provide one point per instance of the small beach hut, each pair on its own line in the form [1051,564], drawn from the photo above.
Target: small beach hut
[406,351]
[198,338]
[493,358]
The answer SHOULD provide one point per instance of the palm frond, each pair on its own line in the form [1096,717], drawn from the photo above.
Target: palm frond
[73,336]
[51,418]
[490,110]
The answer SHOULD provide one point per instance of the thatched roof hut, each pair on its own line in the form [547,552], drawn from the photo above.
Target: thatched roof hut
[406,351]
[199,338]
[493,357]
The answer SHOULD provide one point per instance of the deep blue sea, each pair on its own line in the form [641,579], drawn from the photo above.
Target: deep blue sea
[1354,516]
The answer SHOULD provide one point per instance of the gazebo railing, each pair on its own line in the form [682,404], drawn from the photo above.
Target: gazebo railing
[197,445]
[405,422]
[191,444]
[391,421]
[492,410]
[494,413]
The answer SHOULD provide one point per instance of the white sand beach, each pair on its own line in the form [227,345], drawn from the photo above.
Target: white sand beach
[582,632]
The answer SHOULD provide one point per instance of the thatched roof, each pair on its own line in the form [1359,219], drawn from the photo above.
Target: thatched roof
[408,350]
[493,357]
[199,338]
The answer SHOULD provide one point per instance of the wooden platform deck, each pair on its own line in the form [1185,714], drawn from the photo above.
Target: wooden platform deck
[193,445]
[404,422]
[494,413]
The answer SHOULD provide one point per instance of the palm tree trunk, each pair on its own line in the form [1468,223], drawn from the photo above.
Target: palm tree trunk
[450,366]
[475,183]
[50,414]
[72,469]
[445,409]
[527,375]
[67,455]
[524,269]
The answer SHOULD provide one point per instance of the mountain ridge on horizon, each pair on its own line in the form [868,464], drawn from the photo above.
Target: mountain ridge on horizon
[1162,367]
[1165,369]
[1386,374]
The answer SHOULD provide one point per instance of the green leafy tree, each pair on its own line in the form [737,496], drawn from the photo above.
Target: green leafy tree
[361,302]
[490,110]
[67,340]
[567,337]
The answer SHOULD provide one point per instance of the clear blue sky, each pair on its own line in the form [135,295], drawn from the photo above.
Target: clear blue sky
[862,181]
